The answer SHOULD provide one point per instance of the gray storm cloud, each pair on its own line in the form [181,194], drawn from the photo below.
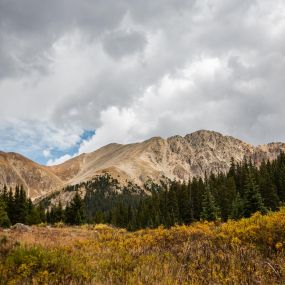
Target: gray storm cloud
[134,69]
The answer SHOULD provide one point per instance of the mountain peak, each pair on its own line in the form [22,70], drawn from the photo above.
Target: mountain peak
[176,157]
[203,132]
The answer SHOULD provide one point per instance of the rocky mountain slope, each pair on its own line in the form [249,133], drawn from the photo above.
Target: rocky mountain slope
[16,169]
[177,157]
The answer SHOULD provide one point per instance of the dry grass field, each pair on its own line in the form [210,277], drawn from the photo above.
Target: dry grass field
[249,251]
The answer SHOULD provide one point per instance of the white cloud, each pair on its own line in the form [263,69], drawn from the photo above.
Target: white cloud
[46,153]
[132,70]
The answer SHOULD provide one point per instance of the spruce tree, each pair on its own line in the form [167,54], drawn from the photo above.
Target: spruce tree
[268,189]
[210,211]
[172,206]
[237,211]
[23,205]
[183,197]
[33,217]
[280,181]
[4,218]
[75,211]
[11,206]
[226,192]
[5,194]
[252,197]
[16,207]
[197,193]
[155,209]
[59,213]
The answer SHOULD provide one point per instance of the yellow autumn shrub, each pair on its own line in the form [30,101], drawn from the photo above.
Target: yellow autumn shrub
[248,251]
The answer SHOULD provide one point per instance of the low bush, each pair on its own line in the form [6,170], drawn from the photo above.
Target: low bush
[248,251]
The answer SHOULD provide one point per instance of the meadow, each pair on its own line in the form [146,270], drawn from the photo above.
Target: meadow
[248,251]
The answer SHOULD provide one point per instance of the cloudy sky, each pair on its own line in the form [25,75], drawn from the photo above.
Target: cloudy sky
[78,74]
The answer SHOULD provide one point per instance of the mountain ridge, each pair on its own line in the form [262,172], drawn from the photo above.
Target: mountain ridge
[176,157]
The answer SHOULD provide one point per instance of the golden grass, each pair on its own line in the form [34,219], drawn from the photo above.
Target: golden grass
[249,251]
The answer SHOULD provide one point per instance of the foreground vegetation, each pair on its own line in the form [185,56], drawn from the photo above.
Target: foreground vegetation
[248,251]
[199,232]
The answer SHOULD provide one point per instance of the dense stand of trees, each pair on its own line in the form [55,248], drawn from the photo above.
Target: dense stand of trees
[244,190]
[15,207]
[73,214]
[104,202]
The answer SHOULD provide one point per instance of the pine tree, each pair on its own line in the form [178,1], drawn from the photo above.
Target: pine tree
[232,170]
[33,217]
[225,194]
[5,194]
[163,207]
[280,181]
[210,211]
[267,188]
[16,207]
[237,211]
[23,206]
[252,197]
[172,206]
[4,218]
[197,193]
[41,210]
[11,207]
[75,211]
[59,213]
[155,209]
[190,213]
[183,197]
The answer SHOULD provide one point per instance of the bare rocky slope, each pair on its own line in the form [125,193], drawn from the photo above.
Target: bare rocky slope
[177,157]
[16,169]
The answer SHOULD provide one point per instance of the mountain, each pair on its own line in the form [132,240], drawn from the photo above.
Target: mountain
[16,169]
[177,157]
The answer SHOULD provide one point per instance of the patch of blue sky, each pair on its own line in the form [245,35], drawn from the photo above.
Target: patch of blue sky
[56,153]
[28,147]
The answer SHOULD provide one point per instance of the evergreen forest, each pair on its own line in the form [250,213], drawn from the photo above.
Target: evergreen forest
[242,191]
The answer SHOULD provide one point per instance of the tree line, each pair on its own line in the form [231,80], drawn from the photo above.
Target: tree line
[15,207]
[242,191]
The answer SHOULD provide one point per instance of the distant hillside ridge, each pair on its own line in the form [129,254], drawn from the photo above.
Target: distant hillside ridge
[176,158]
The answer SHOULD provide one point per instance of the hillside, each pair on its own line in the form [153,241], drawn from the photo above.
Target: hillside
[249,251]
[16,169]
[177,157]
